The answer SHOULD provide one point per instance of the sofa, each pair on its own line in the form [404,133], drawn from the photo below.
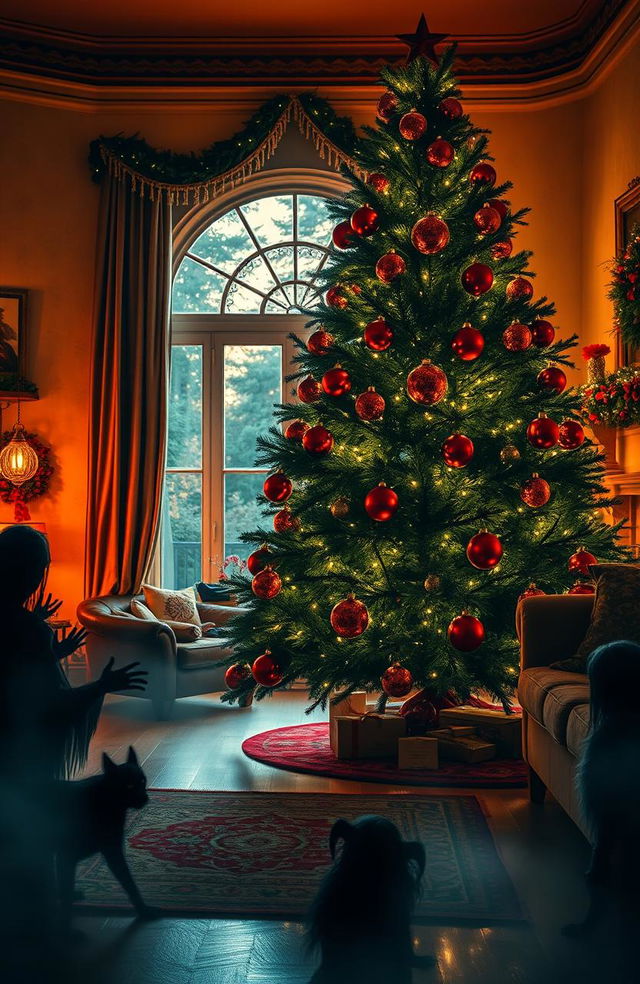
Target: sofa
[176,669]
[555,703]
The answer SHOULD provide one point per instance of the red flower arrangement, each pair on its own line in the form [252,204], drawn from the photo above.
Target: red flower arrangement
[19,495]
[614,402]
[595,351]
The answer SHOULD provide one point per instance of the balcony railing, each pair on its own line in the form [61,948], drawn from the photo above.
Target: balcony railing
[187,560]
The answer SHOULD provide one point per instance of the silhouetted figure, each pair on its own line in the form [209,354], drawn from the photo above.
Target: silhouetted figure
[361,917]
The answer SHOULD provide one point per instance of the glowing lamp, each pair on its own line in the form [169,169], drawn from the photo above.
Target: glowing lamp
[18,460]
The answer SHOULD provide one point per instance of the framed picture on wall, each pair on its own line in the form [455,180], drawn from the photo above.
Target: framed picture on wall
[627,214]
[13,330]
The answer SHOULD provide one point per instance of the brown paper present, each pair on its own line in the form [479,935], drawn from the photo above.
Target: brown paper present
[354,704]
[418,753]
[454,747]
[503,730]
[368,736]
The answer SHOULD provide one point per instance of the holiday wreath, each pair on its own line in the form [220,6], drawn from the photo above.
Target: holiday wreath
[624,289]
[20,495]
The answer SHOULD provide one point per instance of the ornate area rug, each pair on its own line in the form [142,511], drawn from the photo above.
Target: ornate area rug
[306,748]
[263,854]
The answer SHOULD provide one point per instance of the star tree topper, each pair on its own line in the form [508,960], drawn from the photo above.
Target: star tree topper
[422,42]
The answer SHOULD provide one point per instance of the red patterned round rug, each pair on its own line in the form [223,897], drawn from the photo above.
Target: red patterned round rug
[306,748]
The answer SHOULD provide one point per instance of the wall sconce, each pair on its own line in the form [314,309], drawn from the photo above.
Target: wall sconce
[18,460]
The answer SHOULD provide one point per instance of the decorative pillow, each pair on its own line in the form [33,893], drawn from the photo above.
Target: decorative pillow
[140,610]
[174,606]
[183,631]
[219,594]
[616,612]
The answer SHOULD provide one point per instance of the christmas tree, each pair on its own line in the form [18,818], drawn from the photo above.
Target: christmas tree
[441,469]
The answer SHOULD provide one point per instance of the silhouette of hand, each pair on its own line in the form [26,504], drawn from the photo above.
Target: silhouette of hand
[125,678]
[47,608]
[65,647]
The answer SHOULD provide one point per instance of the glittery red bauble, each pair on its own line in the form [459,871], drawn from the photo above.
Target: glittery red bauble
[343,235]
[451,108]
[487,220]
[387,104]
[335,297]
[378,335]
[317,440]
[396,681]
[468,343]
[500,206]
[484,550]
[266,584]
[258,560]
[466,633]
[277,487]
[582,588]
[296,429]
[517,337]
[379,182]
[543,333]
[309,390]
[336,381]
[285,521]
[430,235]
[483,174]
[502,250]
[477,279]
[571,435]
[412,125]
[427,384]
[535,492]
[519,289]
[531,592]
[349,618]
[580,561]
[552,378]
[381,503]
[267,671]
[457,451]
[542,432]
[236,674]
[370,405]
[440,153]
[390,266]
[365,220]
[320,342]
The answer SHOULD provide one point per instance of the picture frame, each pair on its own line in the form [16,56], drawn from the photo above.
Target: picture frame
[13,331]
[627,215]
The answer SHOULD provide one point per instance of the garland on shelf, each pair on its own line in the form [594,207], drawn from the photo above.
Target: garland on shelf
[20,495]
[186,178]
[624,289]
[614,401]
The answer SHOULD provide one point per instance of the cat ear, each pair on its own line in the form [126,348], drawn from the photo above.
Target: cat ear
[108,765]
[132,758]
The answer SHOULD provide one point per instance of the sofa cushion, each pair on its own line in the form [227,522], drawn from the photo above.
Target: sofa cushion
[174,606]
[200,654]
[558,705]
[536,683]
[577,728]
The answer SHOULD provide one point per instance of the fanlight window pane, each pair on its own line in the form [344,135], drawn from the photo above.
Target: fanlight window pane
[184,440]
[314,222]
[252,382]
[241,300]
[181,529]
[196,289]
[225,243]
[241,510]
[271,219]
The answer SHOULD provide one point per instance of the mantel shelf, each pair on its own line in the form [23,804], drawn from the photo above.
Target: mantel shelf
[12,396]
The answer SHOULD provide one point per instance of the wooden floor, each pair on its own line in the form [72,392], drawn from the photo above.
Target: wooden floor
[200,749]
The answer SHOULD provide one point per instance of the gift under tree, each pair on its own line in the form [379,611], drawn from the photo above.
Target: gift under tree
[435,468]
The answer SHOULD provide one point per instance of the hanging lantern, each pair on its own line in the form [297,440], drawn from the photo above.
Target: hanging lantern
[18,460]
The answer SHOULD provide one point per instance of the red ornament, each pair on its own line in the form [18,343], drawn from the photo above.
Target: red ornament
[543,333]
[317,440]
[258,560]
[389,267]
[517,337]
[336,381]
[535,492]
[542,432]
[466,633]
[267,671]
[487,220]
[349,618]
[396,681]
[365,220]
[451,108]
[379,182]
[582,588]
[552,378]
[236,674]
[468,342]
[381,503]
[296,429]
[502,250]
[427,384]
[277,487]
[519,289]
[477,279]
[484,550]
[500,206]
[320,342]
[335,298]
[343,235]
[457,451]
[378,335]
[570,435]
[531,592]
[430,235]
[387,104]
[370,405]
[440,153]
[309,390]
[483,174]
[412,125]
[266,584]
[581,560]
[285,522]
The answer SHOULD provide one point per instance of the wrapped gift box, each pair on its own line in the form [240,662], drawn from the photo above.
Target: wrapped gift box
[417,753]
[456,747]
[354,704]
[503,730]
[368,736]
